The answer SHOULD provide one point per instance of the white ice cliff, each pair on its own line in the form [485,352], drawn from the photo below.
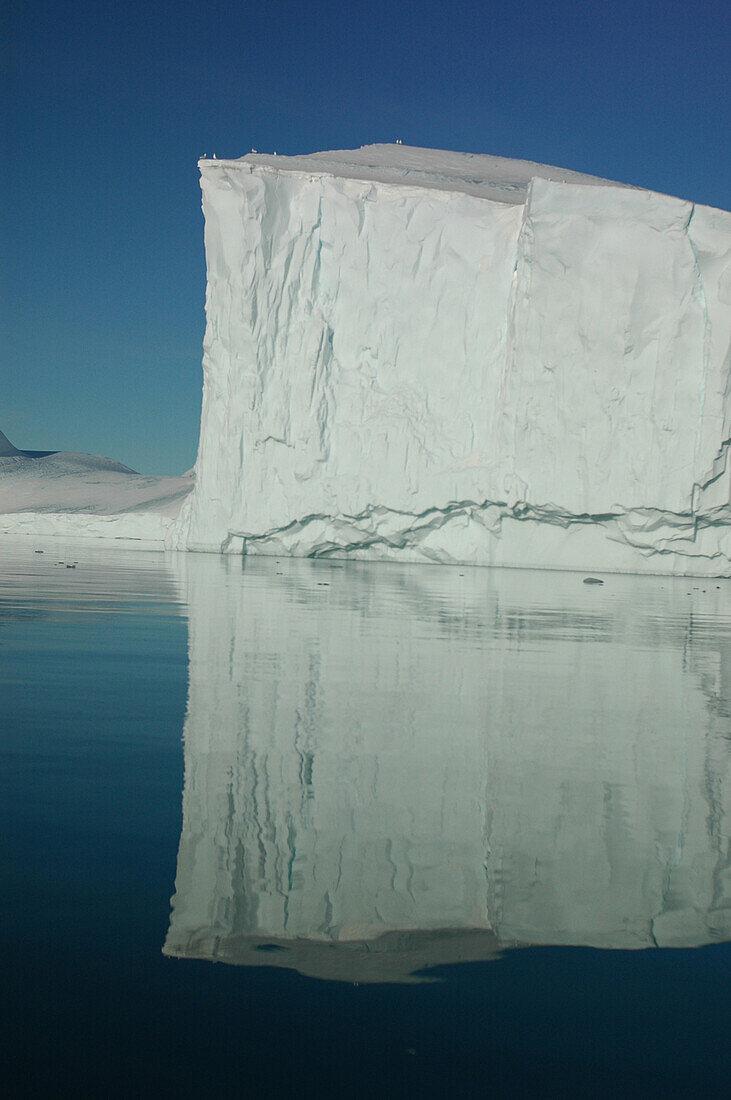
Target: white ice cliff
[454,358]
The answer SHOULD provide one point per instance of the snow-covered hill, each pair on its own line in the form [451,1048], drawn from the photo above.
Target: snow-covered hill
[69,494]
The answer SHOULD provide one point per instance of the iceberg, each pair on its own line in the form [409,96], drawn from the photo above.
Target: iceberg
[438,357]
[442,357]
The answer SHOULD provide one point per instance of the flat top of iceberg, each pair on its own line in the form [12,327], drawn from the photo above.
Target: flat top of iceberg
[501,179]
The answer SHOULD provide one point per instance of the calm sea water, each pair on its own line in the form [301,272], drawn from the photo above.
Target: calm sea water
[281,828]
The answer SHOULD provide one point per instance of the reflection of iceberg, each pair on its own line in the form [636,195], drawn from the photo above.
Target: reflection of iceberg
[382,757]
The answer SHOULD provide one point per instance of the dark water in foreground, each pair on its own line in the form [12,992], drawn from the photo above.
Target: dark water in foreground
[443,832]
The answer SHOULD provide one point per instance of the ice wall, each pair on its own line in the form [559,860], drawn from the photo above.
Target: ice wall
[462,359]
[407,752]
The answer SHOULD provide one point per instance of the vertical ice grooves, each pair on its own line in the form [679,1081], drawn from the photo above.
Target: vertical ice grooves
[416,348]
[700,292]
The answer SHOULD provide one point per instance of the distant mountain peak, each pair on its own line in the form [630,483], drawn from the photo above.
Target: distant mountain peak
[7,450]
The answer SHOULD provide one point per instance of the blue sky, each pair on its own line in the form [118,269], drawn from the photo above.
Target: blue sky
[109,106]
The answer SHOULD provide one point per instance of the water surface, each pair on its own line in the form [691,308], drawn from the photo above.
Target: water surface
[440,829]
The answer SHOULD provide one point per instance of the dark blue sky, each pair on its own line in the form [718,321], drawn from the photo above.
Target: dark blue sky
[108,106]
